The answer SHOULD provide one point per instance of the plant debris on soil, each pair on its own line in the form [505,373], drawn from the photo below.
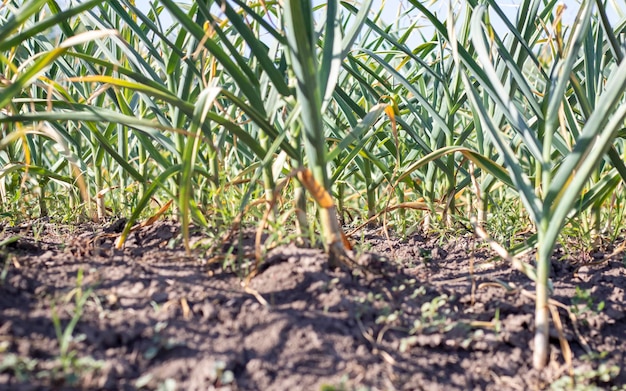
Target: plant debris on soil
[422,314]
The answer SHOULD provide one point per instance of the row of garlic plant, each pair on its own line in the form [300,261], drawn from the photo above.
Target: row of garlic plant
[551,132]
[233,92]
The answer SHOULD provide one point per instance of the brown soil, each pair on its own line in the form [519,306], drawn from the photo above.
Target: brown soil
[431,314]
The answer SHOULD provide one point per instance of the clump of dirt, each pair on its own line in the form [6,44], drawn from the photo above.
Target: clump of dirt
[425,313]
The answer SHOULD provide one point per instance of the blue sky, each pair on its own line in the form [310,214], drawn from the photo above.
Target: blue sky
[616,9]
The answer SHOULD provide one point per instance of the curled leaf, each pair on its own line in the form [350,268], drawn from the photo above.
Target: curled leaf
[317,191]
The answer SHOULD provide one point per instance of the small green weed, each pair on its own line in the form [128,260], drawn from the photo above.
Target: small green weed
[586,379]
[4,257]
[342,386]
[71,365]
[160,342]
[583,303]
[433,315]
[21,367]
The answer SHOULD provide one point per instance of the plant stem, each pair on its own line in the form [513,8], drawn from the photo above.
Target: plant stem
[542,321]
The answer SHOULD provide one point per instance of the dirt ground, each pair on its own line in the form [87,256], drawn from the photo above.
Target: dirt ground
[430,314]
